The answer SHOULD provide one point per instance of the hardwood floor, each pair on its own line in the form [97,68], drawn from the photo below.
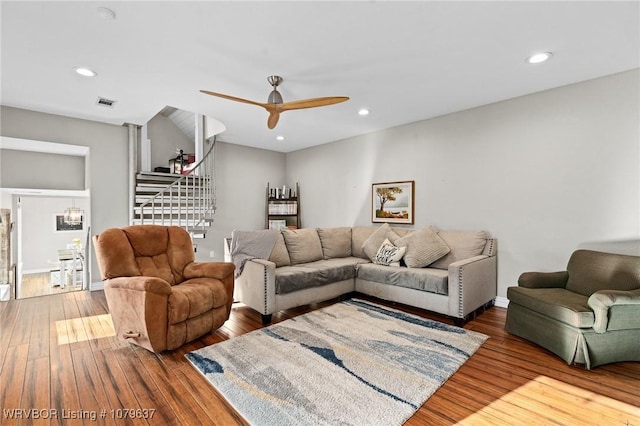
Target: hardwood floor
[59,353]
[34,285]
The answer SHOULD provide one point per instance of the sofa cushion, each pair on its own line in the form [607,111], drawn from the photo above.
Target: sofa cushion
[279,254]
[558,303]
[359,235]
[463,245]
[375,240]
[424,247]
[389,255]
[315,274]
[336,242]
[425,279]
[303,245]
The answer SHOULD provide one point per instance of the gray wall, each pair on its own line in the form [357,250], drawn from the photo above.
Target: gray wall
[242,174]
[544,173]
[108,159]
[166,139]
[51,171]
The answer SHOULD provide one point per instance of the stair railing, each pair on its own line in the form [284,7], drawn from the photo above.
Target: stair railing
[188,202]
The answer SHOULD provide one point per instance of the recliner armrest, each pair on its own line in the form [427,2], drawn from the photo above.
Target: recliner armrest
[543,279]
[602,300]
[146,284]
[219,270]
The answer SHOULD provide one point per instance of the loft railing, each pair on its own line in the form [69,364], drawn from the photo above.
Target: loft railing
[189,202]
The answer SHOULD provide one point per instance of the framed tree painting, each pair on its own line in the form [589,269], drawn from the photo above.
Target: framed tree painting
[392,202]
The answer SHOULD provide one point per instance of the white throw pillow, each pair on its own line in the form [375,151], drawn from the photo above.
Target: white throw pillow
[388,254]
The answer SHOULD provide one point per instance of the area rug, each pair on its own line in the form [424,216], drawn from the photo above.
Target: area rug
[351,363]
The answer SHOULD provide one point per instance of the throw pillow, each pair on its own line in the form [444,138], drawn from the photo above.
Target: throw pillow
[279,254]
[463,245]
[303,245]
[336,242]
[388,254]
[375,240]
[423,247]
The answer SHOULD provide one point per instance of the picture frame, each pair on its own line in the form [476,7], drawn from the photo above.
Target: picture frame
[59,224]
[393,202]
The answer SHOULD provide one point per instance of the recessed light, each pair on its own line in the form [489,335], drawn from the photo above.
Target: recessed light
[538,58]
[86,72]
[363,111]
[280,138]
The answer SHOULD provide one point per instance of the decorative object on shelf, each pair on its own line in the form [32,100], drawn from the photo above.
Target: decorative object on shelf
[282,207]
[59,224]
[392,202]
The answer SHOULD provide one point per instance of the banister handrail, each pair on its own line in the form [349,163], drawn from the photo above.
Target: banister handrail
[195,203]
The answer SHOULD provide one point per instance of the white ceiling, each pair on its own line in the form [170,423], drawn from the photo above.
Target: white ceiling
[405,61]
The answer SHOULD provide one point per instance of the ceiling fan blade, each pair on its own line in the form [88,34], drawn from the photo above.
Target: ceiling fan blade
[312,103]
[274,116]
[233,98]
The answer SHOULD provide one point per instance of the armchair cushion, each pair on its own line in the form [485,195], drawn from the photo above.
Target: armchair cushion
[590,271]
[195,297]
[563,305]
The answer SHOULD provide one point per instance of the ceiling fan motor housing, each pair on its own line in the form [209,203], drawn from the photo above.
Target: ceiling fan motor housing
[274,96]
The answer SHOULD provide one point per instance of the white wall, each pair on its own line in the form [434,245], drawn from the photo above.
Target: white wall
[108,159]
[241,176]
[543,173]
[38,226]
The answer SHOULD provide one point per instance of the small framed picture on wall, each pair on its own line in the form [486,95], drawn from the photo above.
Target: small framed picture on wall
[392,202]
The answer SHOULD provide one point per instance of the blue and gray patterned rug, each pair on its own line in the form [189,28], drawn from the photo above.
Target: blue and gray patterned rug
[352,363]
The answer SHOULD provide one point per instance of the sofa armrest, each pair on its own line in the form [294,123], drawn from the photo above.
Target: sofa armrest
[256,286]
[219,270]
[602,300]
[472,283]
[141,283]
[543,279]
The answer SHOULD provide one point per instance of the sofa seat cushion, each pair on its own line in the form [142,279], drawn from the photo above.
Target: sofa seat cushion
[315,274]
[195,297]
[425,279]
[558,303]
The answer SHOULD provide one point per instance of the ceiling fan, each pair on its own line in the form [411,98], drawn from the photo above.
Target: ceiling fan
[275,105]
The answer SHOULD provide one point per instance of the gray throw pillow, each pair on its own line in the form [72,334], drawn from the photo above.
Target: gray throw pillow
[424,247]
[279,254]
[375,240]
[303,245]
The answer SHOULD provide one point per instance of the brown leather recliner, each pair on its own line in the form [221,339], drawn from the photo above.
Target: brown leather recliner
[158,296]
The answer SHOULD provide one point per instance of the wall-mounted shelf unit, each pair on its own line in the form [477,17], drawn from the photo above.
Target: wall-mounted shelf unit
[282,207]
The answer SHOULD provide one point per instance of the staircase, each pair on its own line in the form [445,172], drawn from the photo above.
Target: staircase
[185,200]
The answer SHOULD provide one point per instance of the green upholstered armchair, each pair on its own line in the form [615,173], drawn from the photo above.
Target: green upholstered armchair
[588,314]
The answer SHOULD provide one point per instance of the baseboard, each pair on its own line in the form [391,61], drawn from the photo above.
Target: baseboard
[502,302]
[96,286]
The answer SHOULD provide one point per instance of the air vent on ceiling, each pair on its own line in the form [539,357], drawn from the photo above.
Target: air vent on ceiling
[105,102]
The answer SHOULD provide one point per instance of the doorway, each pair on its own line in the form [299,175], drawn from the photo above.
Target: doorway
[51,249]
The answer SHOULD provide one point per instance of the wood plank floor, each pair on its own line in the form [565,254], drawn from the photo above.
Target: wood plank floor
[59,358]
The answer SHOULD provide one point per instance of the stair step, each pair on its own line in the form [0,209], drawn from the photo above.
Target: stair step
[171,210]
[182,223]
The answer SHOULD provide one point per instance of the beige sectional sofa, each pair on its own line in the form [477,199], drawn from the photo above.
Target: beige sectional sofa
[312,265]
